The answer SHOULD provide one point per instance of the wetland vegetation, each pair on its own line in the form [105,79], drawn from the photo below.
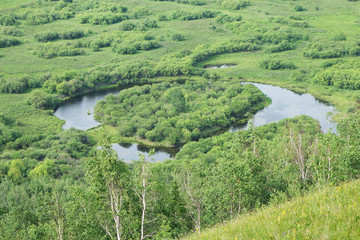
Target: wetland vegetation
[70,184]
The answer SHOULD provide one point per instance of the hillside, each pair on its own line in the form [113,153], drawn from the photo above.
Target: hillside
[329,213]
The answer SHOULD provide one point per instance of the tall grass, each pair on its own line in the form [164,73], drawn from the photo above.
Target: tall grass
[329,213]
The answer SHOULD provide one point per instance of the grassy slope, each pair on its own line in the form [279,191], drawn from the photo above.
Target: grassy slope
[330,213]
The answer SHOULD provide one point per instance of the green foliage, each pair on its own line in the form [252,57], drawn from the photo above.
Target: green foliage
[191,2]
[178,37]
[13,32]
[14,84]
[167,110]
[131,47]
[299,8]
[341,75]
[7,20]
[127,26]
[234,4]
[276,64]
[42,100]
[187,16]
[43,169]
[282,46]
[102,18]
[16,171]
[331,50]
[224,18]
[50,50]
[340,37]
[43,17]
[308,216]
[9,42]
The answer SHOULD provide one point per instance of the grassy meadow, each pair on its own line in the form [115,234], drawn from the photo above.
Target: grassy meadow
[328,213]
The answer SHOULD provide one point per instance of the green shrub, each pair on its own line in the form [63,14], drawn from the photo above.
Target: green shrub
[38,18]
[47,37]
[13,32]
[177,113]
[102,18]
[49,51]
[127,26]
[187,16]
[14,84]
[340,37]
[191,2]
[7,20]
[331,50]
[178,37]
[9,42]
[234,4]
[276,64]
[42,100]
[299,8]
[224,18]
[163,18]
[341,76]
[282,46]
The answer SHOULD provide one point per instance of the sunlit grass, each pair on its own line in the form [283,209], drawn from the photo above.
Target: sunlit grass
[329,213]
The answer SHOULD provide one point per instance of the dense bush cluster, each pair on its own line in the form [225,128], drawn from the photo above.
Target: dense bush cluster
[204,51]
[191,2]
[187,16]
[9,42]
[276,64]
[102,18]
[51,36]
[13,32]
[285,21]
[177,113]
[234,4]
[63,147]
[224,18]
[7,20]
[16,84]
[49,51]
[43,17]
[340,75]
[331,49]
[282,46]
[178,37]
[127,26]
[42,100]
[7,133]
[131,47]
[299,8]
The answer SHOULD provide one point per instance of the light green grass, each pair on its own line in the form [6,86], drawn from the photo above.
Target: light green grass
[13,3]
[329,213]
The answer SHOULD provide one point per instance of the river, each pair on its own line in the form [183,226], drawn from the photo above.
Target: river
[78,113]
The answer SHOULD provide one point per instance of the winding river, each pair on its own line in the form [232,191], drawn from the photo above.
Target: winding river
[78,113]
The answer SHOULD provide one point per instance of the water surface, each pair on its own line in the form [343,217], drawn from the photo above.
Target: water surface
[219,66]
[287,104]
[78,113]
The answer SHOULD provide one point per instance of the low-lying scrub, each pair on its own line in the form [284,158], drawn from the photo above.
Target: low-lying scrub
[52,36]
[234,4]
[9,42]
[177,113]
[187,16]
[49,51]
[276,64]
[102,18]
[332,49]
